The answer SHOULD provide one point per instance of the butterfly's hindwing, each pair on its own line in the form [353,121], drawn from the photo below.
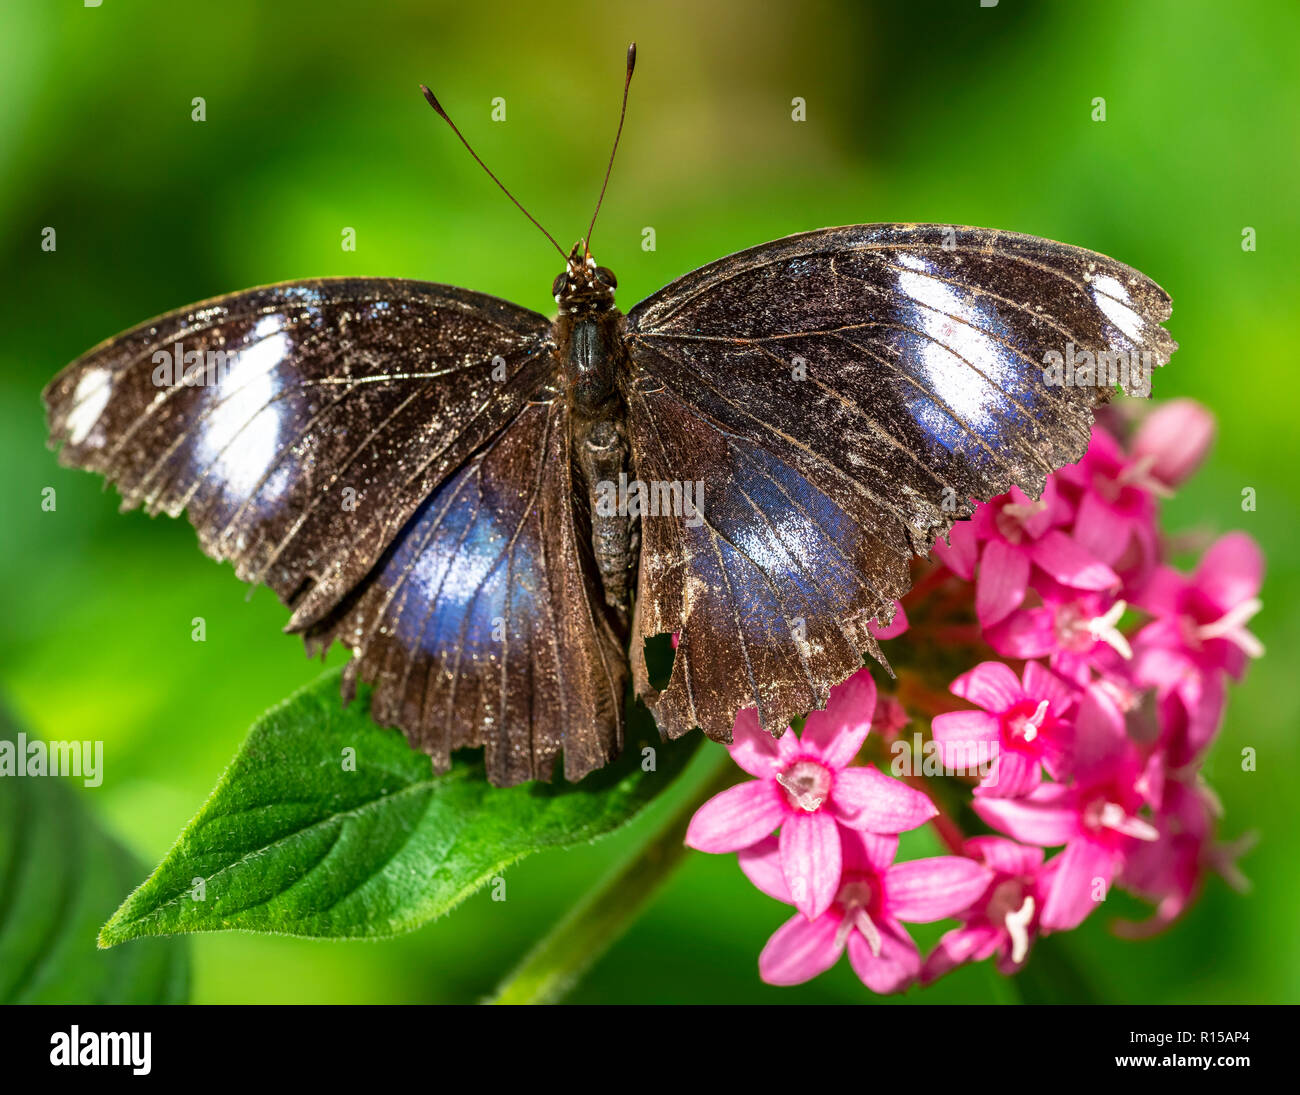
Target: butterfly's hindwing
[758,589]
[848,393]
[483,624]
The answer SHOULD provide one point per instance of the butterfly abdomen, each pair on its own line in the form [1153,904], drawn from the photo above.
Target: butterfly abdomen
[591,349]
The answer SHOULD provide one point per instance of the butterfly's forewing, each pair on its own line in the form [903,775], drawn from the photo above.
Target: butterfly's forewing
[482,625]
[307,429]
[340,404]
[842,394]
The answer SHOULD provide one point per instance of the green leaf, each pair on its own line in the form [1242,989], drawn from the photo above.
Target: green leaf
[295,840]
[60,875]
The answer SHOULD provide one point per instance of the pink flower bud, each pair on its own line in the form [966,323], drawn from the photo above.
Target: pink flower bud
[1174,439]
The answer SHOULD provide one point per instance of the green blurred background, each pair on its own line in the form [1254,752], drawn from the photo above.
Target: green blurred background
[915,111]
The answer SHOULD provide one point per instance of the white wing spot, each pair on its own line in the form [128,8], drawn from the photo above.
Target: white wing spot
[89,401]
[1111,298]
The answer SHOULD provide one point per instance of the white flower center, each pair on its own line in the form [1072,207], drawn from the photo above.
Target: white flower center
[1011,907]
[1017,924]
[1011,518]
[1103,814]
[1025,727]
[806,784]
[854,898]
[1232,626]
[1077,632]
[1105,629]
[1138,474]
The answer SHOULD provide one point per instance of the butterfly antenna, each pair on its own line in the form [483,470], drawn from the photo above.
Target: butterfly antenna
[433,102]
[627,83]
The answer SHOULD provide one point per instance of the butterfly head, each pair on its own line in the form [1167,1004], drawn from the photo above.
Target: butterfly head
[584,286]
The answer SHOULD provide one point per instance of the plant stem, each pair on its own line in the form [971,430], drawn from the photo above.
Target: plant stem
[554,966]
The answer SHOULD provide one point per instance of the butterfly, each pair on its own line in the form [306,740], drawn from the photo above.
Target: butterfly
[495,511]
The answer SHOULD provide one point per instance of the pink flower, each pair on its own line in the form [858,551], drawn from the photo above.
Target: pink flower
[1202,619]
[1116,504]
[1023,723]
[1010,536]
[806,787]
[1199,634]
[1004,919]
[1173,440]
[1095,815]
[1078,631]
[874,896]
[1094,745]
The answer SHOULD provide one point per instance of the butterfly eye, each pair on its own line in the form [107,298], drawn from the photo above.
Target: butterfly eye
[557,285]
[605,276]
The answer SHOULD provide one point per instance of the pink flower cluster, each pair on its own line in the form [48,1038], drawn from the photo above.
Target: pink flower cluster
[1097,684]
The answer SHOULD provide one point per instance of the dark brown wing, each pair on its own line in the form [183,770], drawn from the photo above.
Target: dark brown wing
[346,401]
[842,395]
[483,624]
[307,428]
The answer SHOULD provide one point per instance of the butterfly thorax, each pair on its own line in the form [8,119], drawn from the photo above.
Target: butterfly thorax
[589,349]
